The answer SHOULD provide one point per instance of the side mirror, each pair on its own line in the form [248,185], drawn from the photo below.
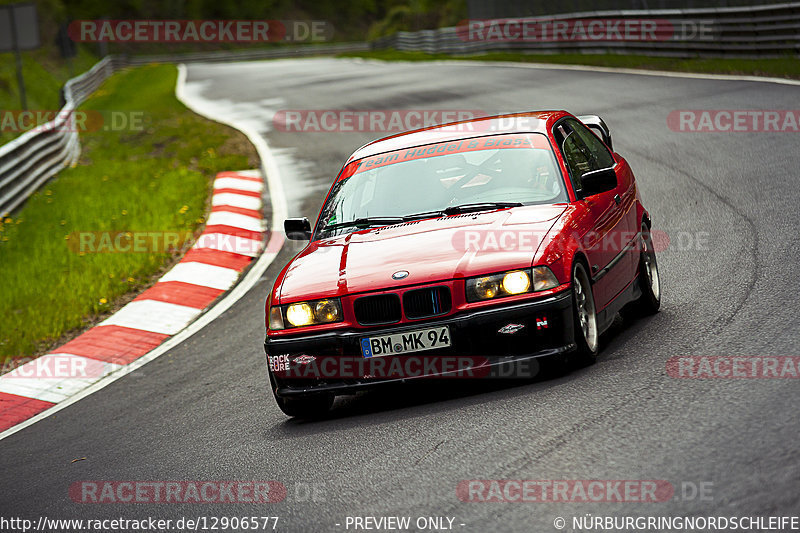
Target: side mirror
[598,181]
[598,126]
[297,229]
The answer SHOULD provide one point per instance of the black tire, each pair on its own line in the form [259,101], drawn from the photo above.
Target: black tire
[309,407]
[584,315]
[649,281]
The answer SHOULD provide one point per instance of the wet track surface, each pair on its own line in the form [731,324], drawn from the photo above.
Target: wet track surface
[203,411]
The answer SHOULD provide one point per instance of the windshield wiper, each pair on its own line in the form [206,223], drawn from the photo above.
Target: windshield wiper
[464,208]
[479,206]
[368,222]
[365,222]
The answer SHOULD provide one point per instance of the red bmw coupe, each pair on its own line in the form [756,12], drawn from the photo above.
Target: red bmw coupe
[456,251]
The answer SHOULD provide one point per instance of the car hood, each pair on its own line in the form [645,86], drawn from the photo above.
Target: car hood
[429,250]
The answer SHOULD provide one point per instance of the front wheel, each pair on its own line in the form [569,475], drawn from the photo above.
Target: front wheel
[649,281]
[584,317]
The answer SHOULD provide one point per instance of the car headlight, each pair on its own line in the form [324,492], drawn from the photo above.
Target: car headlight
[510,283]
[300,314]
[516,282]
[306,313]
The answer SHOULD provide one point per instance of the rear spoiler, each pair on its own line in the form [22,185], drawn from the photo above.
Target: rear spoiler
[598,126]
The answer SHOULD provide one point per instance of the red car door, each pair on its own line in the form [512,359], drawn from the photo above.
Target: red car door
[610,212]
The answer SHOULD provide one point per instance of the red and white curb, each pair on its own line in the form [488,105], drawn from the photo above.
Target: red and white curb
[30,404]
[233,236]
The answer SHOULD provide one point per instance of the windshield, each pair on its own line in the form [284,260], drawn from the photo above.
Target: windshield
[502,169]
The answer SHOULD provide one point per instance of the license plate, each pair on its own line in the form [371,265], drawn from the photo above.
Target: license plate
[402,343]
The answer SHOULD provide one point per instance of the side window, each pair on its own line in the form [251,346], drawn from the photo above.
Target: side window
[576,154]
[600,156]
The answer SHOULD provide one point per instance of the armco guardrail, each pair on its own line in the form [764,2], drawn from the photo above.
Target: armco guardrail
[34,157]
[736,32]
[254,54]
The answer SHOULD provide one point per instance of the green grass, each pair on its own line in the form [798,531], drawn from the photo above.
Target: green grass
[44,73]
[156,179]
[787,67]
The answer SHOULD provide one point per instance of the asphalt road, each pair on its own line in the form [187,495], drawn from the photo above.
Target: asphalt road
[729,278]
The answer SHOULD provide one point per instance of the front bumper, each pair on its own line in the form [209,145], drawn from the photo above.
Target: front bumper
[333,362]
